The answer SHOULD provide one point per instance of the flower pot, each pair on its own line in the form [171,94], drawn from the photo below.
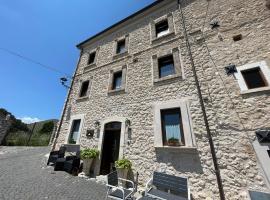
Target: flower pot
[122,173]
[173,144]
[87,166]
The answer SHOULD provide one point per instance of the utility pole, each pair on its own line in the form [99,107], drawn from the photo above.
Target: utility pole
[209,135]
[31,133]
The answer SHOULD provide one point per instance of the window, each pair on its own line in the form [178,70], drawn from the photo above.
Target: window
[166,66]
[162,28]
[121,46]
[84,89]
[74,134]
[91,58]
[117,80]
[172,131]
[173,125]
[254,78]
[268,151]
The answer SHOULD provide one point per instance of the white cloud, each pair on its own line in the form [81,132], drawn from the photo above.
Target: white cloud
[29,120]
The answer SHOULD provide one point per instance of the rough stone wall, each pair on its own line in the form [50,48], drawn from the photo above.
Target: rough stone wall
[227,111]
[4,126]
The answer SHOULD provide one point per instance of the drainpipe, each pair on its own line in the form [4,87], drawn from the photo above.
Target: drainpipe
[210,139]
[66,103]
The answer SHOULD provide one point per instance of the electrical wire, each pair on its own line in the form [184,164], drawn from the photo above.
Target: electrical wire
[35,62]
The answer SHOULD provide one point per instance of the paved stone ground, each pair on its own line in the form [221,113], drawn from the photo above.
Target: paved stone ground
[25,176]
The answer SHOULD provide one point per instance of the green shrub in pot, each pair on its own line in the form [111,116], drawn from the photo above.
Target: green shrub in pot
[88,155]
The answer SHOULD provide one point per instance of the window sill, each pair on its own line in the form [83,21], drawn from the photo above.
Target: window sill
[117,91]
[170,77]
[82,99]
[119,55]
[163,37]
[261,89]
[88,67]
[182,149]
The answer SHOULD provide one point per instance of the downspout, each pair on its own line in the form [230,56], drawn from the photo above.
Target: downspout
[66,102]
[210,139]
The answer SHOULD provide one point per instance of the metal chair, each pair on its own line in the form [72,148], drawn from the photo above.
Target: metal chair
[169,187]
[118,192]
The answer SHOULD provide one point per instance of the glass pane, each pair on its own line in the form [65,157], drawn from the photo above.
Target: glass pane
[117,82]
[254,78]
[121,46]
[162,28]
[166,70]
[84,89]
[74,132]
[172,126]
[166,66]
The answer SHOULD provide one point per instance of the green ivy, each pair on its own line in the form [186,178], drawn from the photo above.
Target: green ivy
[89,153]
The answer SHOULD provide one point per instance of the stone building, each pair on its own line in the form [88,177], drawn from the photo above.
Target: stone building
[5,123]
[134,94]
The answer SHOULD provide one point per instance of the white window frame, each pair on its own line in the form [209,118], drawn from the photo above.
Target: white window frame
[183,104]
[241,81]
[75,117]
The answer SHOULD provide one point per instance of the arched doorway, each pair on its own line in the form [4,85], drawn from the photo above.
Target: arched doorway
[110,146]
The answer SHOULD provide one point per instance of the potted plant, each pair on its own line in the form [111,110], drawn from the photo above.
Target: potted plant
[88,155]
[122,167]
[173,142]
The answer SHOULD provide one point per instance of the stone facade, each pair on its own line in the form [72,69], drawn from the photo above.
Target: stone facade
[232,114]
[4,126]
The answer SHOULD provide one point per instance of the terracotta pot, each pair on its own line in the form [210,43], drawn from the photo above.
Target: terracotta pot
[87,166]
[173,144]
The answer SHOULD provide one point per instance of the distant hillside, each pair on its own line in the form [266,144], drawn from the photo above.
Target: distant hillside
[41,135]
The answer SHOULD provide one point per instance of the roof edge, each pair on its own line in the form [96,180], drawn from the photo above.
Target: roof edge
[120,22]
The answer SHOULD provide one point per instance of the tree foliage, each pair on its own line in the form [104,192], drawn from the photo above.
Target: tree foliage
[47,127]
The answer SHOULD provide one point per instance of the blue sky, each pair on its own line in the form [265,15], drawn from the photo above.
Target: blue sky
[47,31]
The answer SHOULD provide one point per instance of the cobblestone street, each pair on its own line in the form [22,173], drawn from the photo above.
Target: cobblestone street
[25,176]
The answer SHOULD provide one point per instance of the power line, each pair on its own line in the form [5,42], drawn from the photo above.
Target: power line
[35,62]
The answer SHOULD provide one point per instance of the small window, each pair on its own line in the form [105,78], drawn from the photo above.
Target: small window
[74,134]
[166,66]
[92,57]
[172,129]
[268,151]
[254,78]
[84,89]
[121,46]
[162,28]
[117,80]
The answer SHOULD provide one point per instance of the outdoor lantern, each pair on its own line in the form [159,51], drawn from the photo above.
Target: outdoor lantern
[230,69]
[128,123]
[90,133]
[97,124]
[263,135]
[97,127]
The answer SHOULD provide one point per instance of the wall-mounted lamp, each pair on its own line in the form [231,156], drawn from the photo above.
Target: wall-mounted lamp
[90,133]
[63,81]
[97,124]
[128,123]
[230,69]
[97,128]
